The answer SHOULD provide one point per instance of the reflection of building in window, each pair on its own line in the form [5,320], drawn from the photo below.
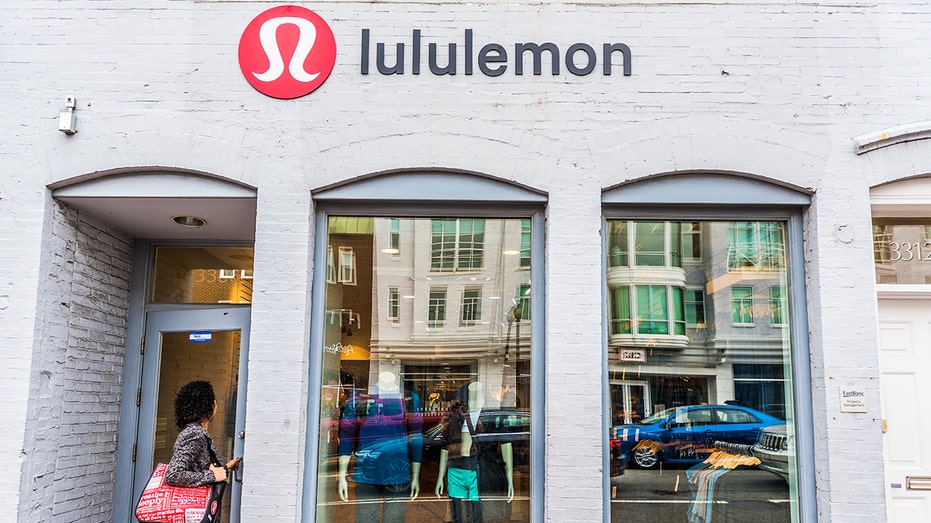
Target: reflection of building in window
[654,244]
[617,244]
[694,307]
[670,310]
[650,244]
[394,304]
[457,244]
[436,314]
[691,240]
[525,243]
[347,265]
[471,311]
[652,307]
[394,236]
[523,299]
[330,266]
[755,245]
[778,304]
[742,305]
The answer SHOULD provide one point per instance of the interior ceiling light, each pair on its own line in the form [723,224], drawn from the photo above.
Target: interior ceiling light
[189,221]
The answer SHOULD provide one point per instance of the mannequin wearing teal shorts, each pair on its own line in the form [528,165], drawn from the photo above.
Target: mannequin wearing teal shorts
[459,460]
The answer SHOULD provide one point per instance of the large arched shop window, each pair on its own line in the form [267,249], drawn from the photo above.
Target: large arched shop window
[427,292]
[707,362]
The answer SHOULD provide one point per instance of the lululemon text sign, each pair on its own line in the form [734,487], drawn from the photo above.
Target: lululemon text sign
[287,52]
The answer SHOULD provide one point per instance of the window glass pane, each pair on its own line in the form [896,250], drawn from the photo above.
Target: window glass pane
[650,243]
[394,304]
[651,310]
[202,275]
[620,310]
[742,305]
[675,244]
[436,314]
[678,310]
[389,377]
[525,243]
[691,240]
[697,385]
[902,250]
[776,306]
[471,308]
[394,236]
[617,244]
[694,306]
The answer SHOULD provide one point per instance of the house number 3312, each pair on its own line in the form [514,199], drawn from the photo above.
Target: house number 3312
[905,251]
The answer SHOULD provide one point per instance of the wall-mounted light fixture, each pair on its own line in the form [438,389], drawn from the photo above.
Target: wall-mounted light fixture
[66,120]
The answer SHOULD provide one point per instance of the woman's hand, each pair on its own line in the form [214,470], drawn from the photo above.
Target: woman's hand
[219,473]
[233,464]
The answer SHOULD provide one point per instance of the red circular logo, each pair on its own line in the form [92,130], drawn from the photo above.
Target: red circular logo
[287,52]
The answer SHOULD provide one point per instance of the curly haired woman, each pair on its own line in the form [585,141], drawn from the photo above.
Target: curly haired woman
[195,461]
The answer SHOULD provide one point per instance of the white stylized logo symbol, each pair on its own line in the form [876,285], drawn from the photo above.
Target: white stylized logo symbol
[287,33]
[305,42]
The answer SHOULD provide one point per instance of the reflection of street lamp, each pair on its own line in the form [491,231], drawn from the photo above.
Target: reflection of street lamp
[517,312]
[514,317]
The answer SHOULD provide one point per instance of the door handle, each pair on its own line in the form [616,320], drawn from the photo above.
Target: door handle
[917,483]
[237,474]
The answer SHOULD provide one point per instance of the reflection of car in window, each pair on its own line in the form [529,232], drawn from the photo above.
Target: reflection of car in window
[773,449]
[501,426]
[687,434]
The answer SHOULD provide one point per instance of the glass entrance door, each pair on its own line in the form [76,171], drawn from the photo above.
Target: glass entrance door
[183,346]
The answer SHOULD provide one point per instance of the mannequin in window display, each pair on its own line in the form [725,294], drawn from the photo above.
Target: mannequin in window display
[473,470]
[384,429]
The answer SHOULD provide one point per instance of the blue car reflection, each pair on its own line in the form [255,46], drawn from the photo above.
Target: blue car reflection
[687,434]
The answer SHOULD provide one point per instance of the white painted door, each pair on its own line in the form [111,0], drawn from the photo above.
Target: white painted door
[905,367]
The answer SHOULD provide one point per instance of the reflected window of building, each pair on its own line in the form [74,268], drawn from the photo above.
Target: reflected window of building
[436,316]
[523,301]
[394,236]
[742,305]
[525,243]
[617,244]
[653,244]
[777,304]
[390,377]
[457,244]
[691,241]
[394,304]
[754,245]
[694,307]
[471,312]
[347,265]
[691,388]
[330,266]
[621,320]
[202,274]
[659,309]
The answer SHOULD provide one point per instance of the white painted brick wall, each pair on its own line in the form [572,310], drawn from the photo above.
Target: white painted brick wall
[157,84]
[77,370]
